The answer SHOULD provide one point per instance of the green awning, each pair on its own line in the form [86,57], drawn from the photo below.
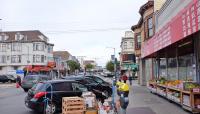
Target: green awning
[130,66]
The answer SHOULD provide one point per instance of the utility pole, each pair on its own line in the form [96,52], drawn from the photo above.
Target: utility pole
[115,78]
[1,27]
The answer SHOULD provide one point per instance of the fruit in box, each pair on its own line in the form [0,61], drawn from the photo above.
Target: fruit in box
[190,85]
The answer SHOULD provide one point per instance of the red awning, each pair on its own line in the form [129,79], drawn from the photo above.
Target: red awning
[45,69]
[28,68]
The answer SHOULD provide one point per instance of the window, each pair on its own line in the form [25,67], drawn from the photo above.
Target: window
[186,71]
[172,69]
[125,45]
[34,58]
[17,37]
[150,27]
[16,59]
[79,87]
[2,59]
[131,44]
[138,41]
[64,86]
[42,58]
[16,47]
[50,49]
[38,47]
[38,59]
[3,47]
[163,68]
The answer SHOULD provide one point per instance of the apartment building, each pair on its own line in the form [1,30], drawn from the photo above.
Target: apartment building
[127,54]
[19,49]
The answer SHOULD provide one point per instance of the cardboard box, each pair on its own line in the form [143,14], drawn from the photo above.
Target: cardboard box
[91,112]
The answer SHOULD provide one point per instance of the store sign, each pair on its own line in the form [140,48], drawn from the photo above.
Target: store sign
[182,25]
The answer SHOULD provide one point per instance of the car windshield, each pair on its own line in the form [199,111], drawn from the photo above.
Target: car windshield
[39,87]
[30,78]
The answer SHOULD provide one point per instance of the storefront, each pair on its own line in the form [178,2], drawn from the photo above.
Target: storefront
[174,50]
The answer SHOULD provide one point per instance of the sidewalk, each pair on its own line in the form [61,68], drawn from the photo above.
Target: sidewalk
[141,101]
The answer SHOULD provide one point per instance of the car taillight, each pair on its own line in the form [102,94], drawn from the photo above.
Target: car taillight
[39,94]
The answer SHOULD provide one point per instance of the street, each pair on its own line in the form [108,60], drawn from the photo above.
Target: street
[12,101]
[141,102]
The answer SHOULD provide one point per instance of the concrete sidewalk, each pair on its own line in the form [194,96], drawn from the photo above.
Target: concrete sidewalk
[144,102]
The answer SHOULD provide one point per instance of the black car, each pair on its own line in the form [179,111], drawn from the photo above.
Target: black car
[4,78]
[11,78]
[55,90]
[95,84]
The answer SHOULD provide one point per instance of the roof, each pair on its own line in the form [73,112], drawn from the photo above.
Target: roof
[63,54]
[139,24]
[29,35]
[88,62]
[144,7]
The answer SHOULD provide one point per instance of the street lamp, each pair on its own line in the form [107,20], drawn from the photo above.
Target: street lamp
[114,81]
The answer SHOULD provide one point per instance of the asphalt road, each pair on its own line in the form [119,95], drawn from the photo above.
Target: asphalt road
[12,101]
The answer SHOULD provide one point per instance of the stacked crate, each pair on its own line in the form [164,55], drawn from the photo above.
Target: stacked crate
[73,105]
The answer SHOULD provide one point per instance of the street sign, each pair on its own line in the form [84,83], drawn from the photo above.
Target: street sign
[19,72]
[112,57]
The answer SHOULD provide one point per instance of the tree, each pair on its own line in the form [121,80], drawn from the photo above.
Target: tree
[73,65]
[89,66]
[110,66]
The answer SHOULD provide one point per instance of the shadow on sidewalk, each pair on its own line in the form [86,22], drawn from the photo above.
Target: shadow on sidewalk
[140,110]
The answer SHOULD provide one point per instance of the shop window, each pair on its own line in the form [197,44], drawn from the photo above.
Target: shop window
[172,69]
[163,68]
[186,71]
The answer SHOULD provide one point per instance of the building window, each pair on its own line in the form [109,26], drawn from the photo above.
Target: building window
[38,47]
[42,58]
[2,59]
[131,44]
[38,59]
[150,27]
[50,49]
[125,45]
[138,41]
[3,47]
[16,59]
[33,58]
[163,68]
[16,47]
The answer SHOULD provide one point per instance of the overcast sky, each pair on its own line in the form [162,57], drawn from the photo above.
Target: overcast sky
[82,27]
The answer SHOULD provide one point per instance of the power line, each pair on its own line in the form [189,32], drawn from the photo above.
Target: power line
[86,30]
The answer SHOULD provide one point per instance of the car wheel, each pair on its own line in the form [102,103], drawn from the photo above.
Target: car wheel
[9,81]
[50,108]
[25,90]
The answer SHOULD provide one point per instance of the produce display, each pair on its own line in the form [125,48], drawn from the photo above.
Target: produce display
[184,93]
[190,86]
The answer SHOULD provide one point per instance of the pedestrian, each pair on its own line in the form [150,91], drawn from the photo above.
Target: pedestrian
[130,80]
[124,77]
[18,80]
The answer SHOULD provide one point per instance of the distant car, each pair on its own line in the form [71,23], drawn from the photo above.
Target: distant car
[31,80]
[55,89]
[95,83]
[11,78]
[4,79]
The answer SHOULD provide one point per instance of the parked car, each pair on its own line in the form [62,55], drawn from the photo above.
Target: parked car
[31,80]
[4,78]
[90,82]
[11,78]
[55,89]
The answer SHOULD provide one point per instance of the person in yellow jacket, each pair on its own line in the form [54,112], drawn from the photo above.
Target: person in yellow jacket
[122,88]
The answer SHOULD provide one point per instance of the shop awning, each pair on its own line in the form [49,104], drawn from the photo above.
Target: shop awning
[169,34]
[130,66]
[45,69]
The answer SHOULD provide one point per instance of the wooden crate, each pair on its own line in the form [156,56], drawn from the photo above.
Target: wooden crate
[73,105]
